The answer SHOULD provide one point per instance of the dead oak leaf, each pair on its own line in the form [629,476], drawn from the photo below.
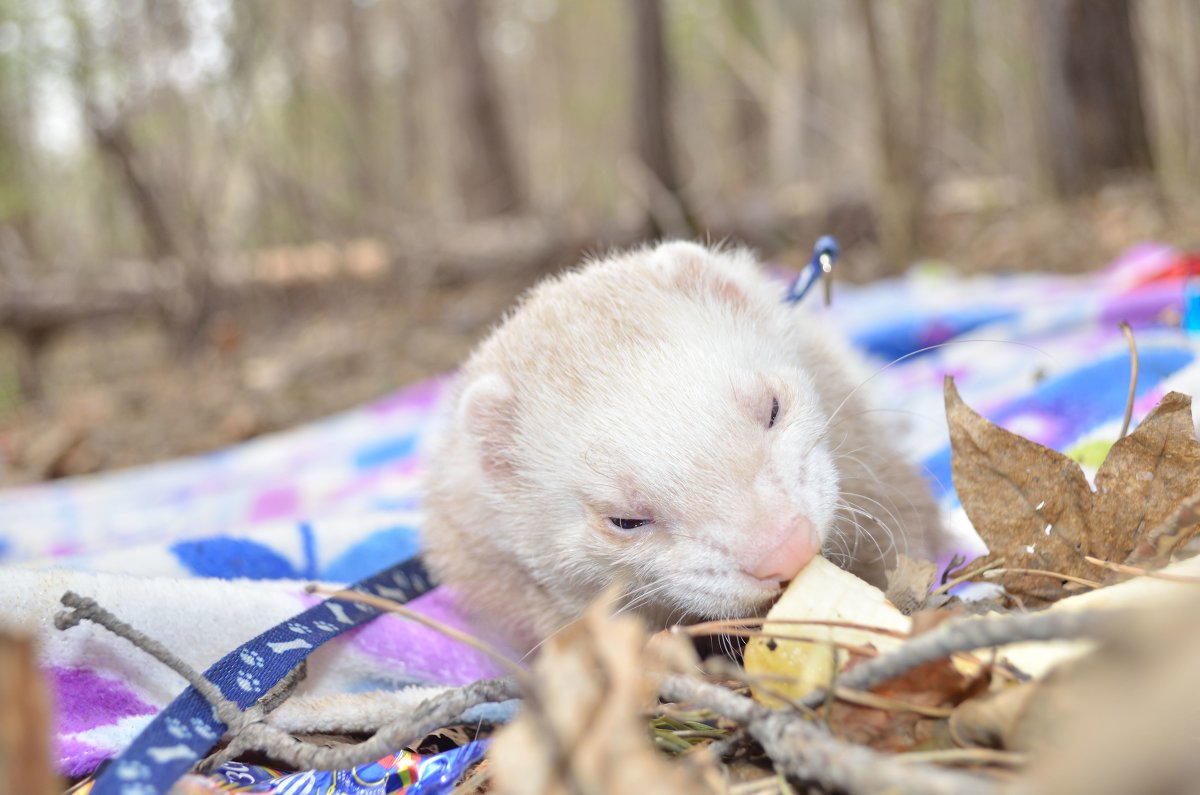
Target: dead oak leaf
[1034,508]
[1030,504]
[1145,477]
[909,583]
[1155,547]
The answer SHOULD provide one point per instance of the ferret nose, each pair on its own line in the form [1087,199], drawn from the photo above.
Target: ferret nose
[791,552]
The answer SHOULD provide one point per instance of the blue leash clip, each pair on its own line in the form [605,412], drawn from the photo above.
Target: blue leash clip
[825,254]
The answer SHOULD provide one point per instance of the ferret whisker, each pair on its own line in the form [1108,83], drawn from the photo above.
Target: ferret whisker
[891,514]
[848,541]
[870,537]
[878,410]
[926,349]
[821,435]
[642,595]
[838,456]
[879,482]
[836,544]
[888,531]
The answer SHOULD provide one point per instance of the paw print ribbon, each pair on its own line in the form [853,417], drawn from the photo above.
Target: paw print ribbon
[183,732]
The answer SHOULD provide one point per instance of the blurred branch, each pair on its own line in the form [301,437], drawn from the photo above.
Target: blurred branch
[486,172]
[805,751]
[652,109]
[903,136]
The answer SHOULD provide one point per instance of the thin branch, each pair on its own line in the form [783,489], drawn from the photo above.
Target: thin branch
[1133,377]
[970,575]
[865,698]
[719,626]
[1140,572]
[1054,575]
[85,609]
[431,714]
[969,634]
[249,732]
[802,750]
[965,756]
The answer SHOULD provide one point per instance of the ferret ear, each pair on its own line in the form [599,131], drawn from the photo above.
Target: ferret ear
[487,411]
[697,272]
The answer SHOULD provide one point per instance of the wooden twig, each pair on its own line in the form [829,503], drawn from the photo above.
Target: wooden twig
[961,578]
[965,756]
[1054,575]
[967,634]
[85,609]
[1140,572]
[249,732]
[433,713]
[722,626]
[802,750]
[875,701]
[1133,377]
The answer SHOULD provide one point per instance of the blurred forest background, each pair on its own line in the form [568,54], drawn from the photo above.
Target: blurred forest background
[222,218]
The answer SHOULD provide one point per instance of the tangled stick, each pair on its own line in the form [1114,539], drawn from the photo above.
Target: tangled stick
[804,750]
[248,731]
[970,634]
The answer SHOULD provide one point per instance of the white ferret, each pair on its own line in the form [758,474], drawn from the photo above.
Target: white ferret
[661,418]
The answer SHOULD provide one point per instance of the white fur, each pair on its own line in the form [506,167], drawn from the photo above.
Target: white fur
[640,387]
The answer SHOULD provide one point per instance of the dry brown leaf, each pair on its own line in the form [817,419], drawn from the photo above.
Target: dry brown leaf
[936,684]
[1030,716]
[1155,547]
[1145,477]
[909,583]
[583,729]
[1030,504]
[1124,719]
[990,721]
[1033,507]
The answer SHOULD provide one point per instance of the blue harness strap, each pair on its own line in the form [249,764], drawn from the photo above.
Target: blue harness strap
[182,733]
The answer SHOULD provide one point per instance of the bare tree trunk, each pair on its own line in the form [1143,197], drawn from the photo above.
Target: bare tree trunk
[749,117]
[115,145]
[413,152]
[487,174]
[363,138]
[904,138]
[18,238]
[171,240]
[1092,93]
[652,106]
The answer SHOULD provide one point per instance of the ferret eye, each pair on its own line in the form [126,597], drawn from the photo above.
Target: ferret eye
[628,524]
[774,412]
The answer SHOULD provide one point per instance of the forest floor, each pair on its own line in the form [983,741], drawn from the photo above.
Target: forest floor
[118,394]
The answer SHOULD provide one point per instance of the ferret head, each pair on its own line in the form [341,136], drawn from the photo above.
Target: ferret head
[642,420]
